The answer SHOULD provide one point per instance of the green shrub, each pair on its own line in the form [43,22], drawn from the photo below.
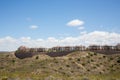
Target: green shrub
[56,61]
[88,70]
[118,61]
[95,53]
[88,56]
[85,78]
[7,55]
[90,53]
[92,60]
[13,61]
[72,71]
[37,57]
[60,68]
[78,59]
[94,67]
[111,58]
[83,64]
[104,70]
[88,61]
[104,56]
[67,65]
[111,66]
[5,78]
[100,58]
[97,65]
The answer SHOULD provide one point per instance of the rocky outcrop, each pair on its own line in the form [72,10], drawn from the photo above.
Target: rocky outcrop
[23,52]
[22,55]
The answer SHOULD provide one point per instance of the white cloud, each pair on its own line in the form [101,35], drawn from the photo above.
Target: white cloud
[33,27]
[83,32]
[81,28]
[96,37]
[8,43]
[75,22]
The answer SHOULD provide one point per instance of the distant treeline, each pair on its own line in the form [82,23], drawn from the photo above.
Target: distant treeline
[24,52]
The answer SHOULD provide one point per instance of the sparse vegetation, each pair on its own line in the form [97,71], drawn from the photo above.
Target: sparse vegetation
[85,78]
[94,67]
[13,61]
[88,70]
[104,56]
[67,65]
[60,68]
[92,60]
[37,57]
[7,55]
[5,78]
[111,58]
[118,61]
[88,56]
[78,59]
[83,64]
[43,67]
[95,53]
[97,65]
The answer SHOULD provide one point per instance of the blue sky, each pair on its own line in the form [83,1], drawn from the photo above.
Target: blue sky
[41,19]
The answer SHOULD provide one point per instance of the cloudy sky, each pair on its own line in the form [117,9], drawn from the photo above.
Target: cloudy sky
[48,23]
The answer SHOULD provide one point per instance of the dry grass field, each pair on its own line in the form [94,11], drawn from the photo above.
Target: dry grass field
[77,65]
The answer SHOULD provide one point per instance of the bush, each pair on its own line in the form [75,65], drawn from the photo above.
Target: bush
[118,61]
[111,66]
[78,59]
[91,54]
[94,67]
[97,65]
[92,60]
[83,64]
[1,67]
[37,57]
[88,61]
[104,56]
[111,58]
[95,53]
[85,79]
[88,56]
[7,55]
[13,61]
[99,58]
[72,71]
[5,78]
[67,65]
[60,68]
[56,61]
[88,70]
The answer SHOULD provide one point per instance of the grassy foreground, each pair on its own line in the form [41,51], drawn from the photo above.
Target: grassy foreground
[75,66]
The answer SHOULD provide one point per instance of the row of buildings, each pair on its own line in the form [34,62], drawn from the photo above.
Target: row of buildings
[71,48]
